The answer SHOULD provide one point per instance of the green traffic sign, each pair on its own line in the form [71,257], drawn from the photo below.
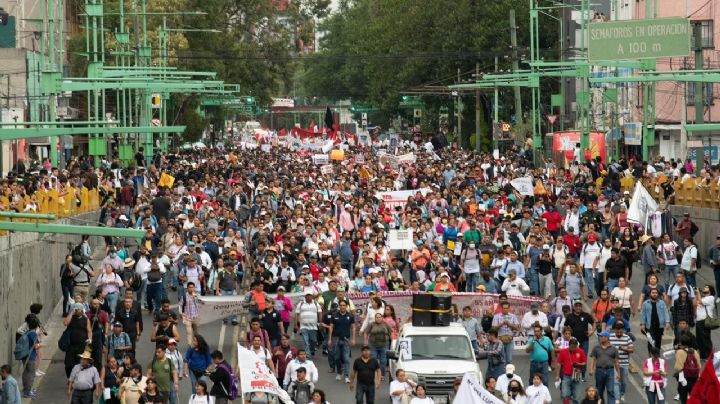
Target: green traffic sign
[639,39]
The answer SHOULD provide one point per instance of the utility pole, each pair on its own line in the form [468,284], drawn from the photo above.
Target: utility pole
[477,109]
[459,114]
[515,67]
[699,91]
[496,120]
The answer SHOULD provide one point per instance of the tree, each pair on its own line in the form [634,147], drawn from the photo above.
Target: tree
[374,49]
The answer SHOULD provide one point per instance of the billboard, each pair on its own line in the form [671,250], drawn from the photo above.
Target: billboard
[564,144]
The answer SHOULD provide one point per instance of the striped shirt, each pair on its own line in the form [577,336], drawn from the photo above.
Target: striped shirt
[623,341]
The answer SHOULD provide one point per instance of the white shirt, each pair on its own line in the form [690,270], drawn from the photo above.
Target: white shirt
[604,257]
[396,385]
[538,394]
[206,399]
[291,371]
[667,251]
[529,319]
[143,267]
[308,314]
[708,303]
[516,287]
[624,296]
[688,256]
[588,254]
[426,400]
[503,381]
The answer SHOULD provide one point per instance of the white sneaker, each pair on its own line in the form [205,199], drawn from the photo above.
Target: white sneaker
[622,398]
[39,373]
[677,397]
[338,377]
[347,380]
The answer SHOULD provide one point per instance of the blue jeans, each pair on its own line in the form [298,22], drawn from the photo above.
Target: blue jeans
[621,386]
[670,272]
[508,349]
[112,299]
[533,281]
[140,292]
[193,380]
[690,277]
[599,283]
[589,281]
[555,273]
[154,296]
[310,338]
[368,391]
[652,396]
[341,348]
[612,284]
[569,389]
[605,380]
[229,293]
[471,281]
[381,355]
[539,367]
[495,371]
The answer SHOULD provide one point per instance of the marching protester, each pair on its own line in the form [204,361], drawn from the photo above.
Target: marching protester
[321,254]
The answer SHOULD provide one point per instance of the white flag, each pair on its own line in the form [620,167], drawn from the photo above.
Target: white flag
[523,185]
[256,376]
[472,392]
[641,206]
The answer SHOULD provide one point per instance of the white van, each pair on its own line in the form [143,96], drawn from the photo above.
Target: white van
[438,356]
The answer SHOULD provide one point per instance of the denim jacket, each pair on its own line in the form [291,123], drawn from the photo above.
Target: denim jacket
[663,314]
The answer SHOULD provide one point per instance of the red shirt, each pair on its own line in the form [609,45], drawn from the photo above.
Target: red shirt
[553,220]
[572,242]
[569,360]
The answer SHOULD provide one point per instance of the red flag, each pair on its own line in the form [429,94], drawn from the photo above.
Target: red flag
[707,387]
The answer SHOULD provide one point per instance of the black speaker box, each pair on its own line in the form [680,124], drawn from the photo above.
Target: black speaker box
[422,319]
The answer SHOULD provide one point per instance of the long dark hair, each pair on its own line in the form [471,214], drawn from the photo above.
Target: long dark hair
[202,345]
[321,393]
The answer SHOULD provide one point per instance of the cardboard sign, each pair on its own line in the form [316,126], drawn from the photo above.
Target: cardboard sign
[408,158]
[326,169]
[320,159]
[337,155]
[266,147]
[401,240]
[360,158]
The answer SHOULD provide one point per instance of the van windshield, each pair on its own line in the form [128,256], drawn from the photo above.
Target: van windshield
[441,347]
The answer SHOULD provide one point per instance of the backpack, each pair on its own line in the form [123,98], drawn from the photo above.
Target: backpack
[693,229]
[232,393]
[23,347]
[154,275]
[135,281]
[65,340]
[302,393]
[691,368]
[698,260]
[515,241]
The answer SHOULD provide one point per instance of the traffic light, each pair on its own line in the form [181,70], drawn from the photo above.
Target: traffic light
[405,98]
[250,100]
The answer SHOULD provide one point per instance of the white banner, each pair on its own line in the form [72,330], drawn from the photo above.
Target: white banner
[408,158]
[213,308]
[399,198]
[326,169]
[472,392]
[401,240]
[320,159]
[266,147]
[255,376]
[641,205]
[523,185]
[359,158]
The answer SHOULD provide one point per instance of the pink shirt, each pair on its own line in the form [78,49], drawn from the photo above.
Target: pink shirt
[109,283]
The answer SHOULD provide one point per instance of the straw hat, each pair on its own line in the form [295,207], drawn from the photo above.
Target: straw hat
[129,262]
[86,355]
[644,238]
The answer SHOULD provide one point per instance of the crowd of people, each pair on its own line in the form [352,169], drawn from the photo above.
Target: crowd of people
[268,224]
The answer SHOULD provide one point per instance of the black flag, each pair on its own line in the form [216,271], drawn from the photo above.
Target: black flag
[329,119]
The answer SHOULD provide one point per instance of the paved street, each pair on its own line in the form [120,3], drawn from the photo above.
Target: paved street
[52,387]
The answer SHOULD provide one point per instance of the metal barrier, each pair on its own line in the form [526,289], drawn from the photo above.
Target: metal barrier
[74,201]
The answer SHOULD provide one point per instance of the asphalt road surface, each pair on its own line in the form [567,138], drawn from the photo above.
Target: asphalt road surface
[51,388]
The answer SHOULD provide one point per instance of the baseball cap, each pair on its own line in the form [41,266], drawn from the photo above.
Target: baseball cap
[172,341]
[510,368]
[604,334]
[592,237]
